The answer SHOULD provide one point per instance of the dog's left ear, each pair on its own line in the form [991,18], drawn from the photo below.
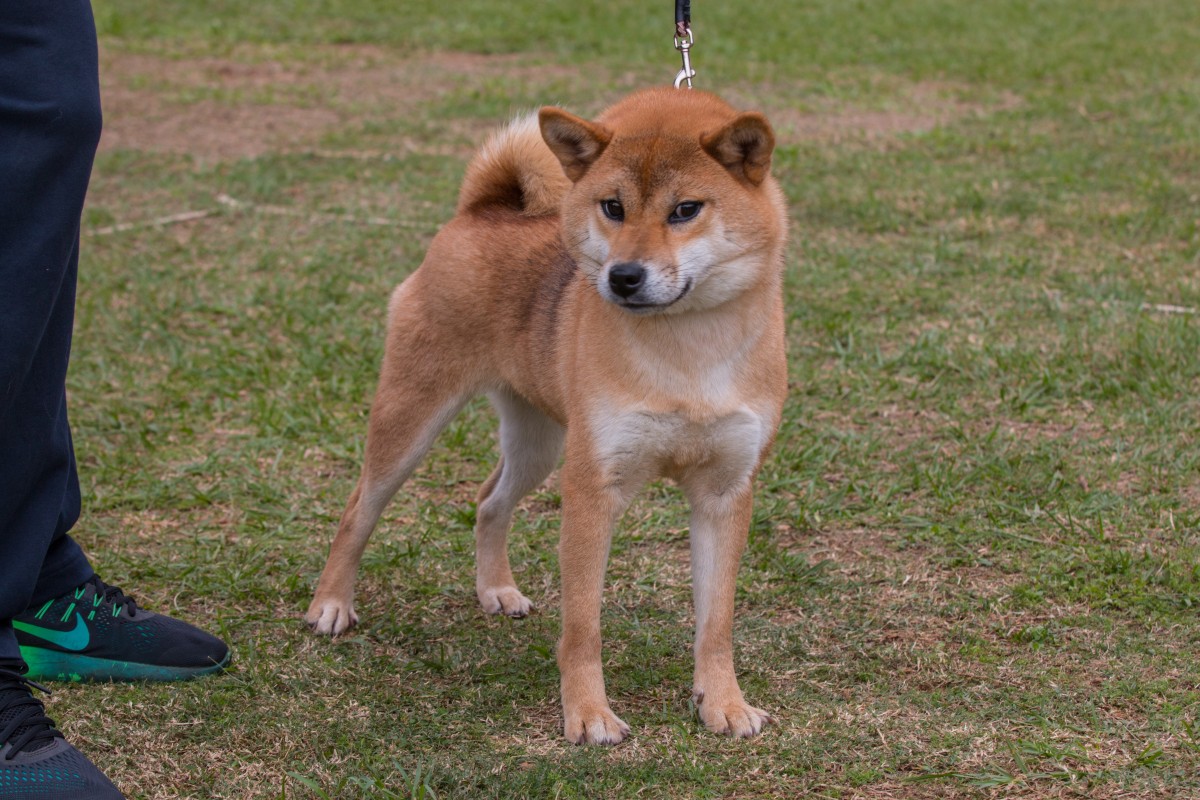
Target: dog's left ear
[576,142]
[743,146]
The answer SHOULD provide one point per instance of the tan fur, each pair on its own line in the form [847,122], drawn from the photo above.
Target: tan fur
[515,170]
[647,345]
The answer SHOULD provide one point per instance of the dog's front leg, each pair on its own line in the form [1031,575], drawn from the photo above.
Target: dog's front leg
[720,523]
[590,510]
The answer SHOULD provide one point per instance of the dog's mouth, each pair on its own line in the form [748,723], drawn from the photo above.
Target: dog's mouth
[646,308]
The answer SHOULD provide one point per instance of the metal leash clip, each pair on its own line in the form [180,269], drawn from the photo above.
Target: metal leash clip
[683,43]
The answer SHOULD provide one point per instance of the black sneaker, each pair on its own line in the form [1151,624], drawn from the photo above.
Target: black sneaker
[36,763]
[96,633]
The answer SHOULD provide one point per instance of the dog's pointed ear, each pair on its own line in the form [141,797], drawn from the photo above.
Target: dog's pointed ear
[576,142]
[743,146]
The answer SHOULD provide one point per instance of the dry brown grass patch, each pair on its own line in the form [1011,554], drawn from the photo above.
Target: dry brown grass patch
[913,108]
[248,104]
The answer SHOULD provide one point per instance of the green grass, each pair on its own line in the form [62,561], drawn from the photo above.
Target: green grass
[974,568]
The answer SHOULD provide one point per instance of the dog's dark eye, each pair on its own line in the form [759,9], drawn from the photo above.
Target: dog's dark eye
[685,211]
[613,210]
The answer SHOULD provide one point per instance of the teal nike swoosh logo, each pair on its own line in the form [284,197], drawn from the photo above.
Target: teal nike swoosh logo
[75,639]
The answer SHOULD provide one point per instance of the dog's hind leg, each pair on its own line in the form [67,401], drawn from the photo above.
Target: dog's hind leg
[418,395]
[530,444]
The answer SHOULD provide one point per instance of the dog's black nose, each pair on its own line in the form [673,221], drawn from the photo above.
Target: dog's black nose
[625,279]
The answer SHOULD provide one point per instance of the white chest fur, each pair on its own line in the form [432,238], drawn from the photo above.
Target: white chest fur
[689,401]
[634,445]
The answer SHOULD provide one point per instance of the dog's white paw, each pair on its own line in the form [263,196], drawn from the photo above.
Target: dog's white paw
[594,725]
[331,617]
[506,600]
[734,718]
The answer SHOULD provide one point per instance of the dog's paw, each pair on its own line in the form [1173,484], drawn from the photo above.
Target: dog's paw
[594,725]
[331,617]
[733,717]
[506,600]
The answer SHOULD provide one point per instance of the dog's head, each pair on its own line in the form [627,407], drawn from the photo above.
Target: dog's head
[672,206]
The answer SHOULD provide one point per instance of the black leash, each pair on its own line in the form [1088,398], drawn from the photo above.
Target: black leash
[683,41]
[683,17]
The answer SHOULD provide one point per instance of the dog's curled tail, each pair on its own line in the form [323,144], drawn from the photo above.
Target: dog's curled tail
[514,170]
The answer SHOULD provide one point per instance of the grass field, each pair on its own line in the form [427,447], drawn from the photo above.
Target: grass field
[974,569]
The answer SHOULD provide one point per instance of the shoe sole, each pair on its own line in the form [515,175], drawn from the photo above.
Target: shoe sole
[52,665]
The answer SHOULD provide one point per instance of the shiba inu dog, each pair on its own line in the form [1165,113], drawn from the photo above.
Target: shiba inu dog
[615,288]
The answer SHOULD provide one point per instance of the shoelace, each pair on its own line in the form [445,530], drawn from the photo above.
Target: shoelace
[23,720]
[113,596]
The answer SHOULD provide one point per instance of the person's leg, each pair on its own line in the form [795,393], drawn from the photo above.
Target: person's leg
[55,613]
[49,128]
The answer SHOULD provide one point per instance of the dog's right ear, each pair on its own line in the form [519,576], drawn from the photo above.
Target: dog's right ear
[576,142]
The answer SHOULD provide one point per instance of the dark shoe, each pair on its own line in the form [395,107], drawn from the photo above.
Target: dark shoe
[96,633]
[36,763]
